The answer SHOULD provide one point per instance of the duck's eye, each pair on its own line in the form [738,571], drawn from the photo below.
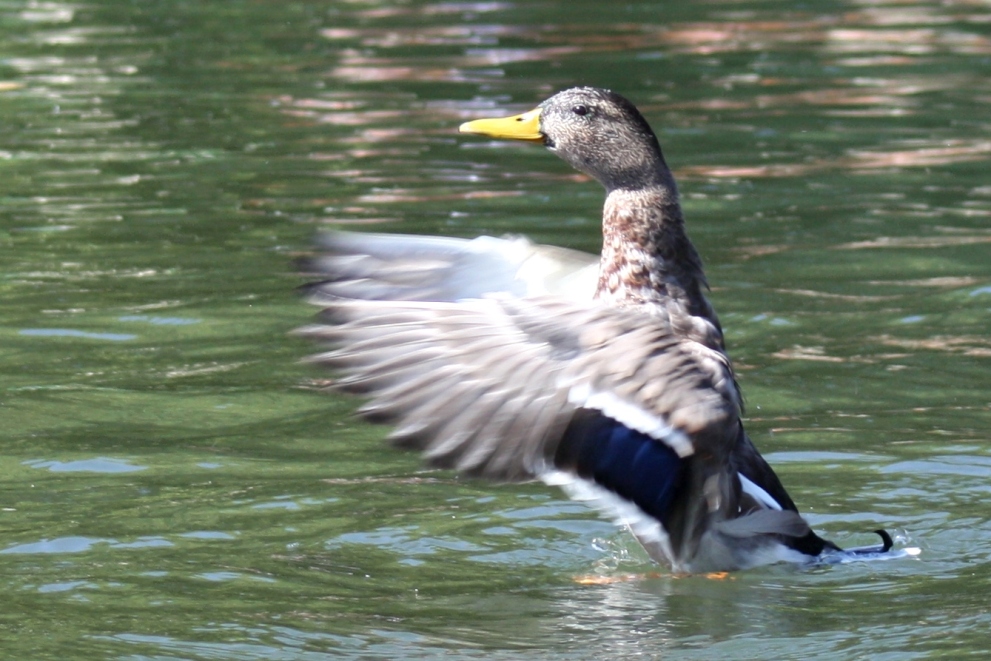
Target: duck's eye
[581,111]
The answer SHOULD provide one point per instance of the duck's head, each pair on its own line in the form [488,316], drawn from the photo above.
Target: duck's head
[596,131]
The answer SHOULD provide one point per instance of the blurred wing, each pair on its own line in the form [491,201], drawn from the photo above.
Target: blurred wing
[490,386]
[429,268]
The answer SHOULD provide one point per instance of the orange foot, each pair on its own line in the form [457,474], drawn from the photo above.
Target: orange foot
[610,580]
[712,575]
[627,578]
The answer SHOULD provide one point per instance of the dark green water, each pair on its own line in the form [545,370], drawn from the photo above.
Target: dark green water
[171,483]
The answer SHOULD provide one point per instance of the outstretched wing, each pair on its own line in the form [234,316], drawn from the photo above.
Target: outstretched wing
[490,386]
[432,268]
[459,345]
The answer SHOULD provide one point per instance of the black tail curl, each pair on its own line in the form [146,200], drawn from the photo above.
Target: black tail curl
[885,546]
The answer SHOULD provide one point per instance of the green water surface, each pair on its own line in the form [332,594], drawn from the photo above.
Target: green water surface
[174,485]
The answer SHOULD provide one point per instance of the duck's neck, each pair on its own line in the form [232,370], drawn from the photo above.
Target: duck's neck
[647,259]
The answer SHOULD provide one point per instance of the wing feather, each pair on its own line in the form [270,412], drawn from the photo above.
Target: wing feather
[488,385]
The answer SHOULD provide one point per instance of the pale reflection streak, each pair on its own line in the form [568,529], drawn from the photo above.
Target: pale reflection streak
[946,239]
[866,33]
[948,282]
[906,41]
[869,31]
[74,130]
[919,154]
[967,345]
[817,354]
[436,9]
[888,29]
[870,35]
[377,130]
[480,61]
[962,345]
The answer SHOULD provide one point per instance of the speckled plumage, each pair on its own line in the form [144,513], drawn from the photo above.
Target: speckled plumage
[496,358]
[647,259]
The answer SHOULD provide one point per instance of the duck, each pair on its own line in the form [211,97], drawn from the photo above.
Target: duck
[607,375]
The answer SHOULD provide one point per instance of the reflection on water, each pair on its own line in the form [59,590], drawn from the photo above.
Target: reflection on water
[174,486]
[97,465]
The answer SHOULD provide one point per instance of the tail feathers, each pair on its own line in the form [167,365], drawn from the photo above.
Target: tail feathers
[765,522]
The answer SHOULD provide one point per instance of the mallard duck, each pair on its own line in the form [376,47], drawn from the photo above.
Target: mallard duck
[608,377]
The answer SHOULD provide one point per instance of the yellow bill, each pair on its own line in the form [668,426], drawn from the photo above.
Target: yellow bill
[517,127]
